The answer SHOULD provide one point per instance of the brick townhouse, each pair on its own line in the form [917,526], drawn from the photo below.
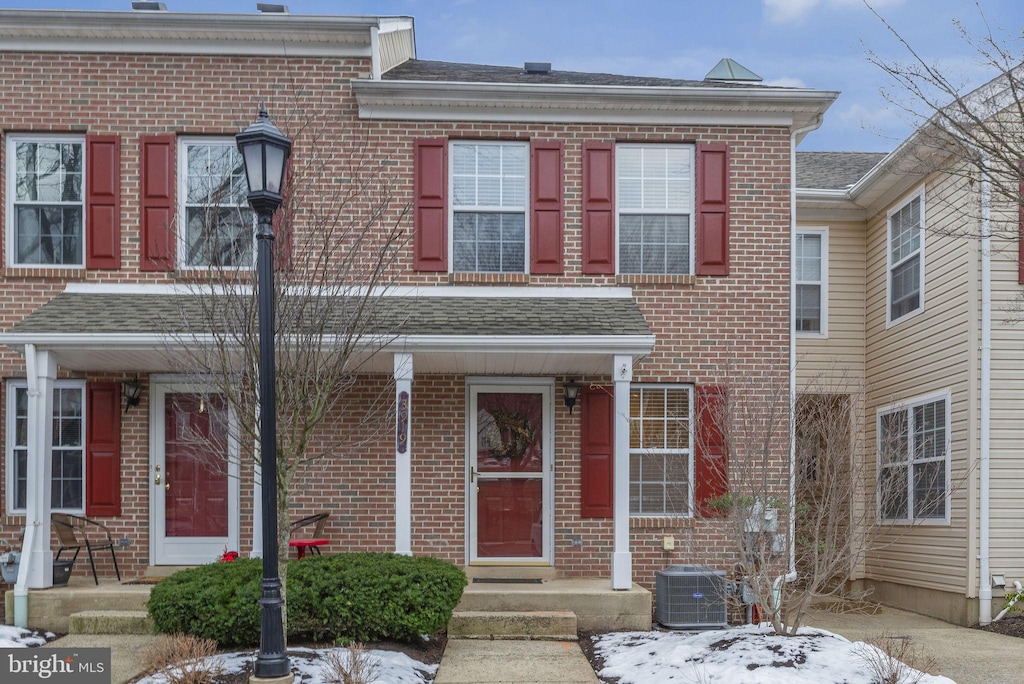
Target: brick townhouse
[625,235]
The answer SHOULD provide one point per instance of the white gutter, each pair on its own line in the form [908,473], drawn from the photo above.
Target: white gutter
[794,138]
[984,578]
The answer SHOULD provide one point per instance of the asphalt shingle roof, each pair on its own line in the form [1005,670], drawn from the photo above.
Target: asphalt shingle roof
[833,170]
[96,313]
[429,70]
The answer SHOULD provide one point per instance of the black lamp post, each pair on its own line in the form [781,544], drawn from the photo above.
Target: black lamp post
[265,153]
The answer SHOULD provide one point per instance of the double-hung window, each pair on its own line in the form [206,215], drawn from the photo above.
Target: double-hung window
[913,459]
[218,224]
[46,205]
[489,201]
[67,456]
[810,256]
[660,462]
[906,260]
[655,201]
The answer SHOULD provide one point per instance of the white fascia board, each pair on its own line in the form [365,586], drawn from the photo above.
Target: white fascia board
[185,33]
[462,291]
[542,101]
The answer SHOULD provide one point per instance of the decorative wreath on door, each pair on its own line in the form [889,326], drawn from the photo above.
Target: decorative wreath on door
[515,434]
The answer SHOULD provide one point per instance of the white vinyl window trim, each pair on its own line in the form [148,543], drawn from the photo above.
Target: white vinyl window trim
[13,443]
[510,188]
[912,459]
[229,197]
[661,184]
[801,278]
[901,251]
[13,141]
[643,453]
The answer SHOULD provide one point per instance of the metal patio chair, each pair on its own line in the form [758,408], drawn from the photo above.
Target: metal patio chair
[75,532]
[312,543]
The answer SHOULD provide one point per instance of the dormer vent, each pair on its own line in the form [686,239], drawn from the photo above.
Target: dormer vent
[270,8]
[537,67]
[145,6]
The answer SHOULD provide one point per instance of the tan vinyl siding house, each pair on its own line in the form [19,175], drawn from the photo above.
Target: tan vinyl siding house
[922,352]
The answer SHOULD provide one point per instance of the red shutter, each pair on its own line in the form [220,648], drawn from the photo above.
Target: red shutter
[1020,225]
[430,211]
[599,208]
[712,209]
[597,453]
[103,202]
[712,457]
[546,197]
[103,449]
[157,203]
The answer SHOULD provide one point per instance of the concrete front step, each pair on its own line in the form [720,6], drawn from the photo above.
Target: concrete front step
[557,625]
[50,608]
[596,605]
[110,622]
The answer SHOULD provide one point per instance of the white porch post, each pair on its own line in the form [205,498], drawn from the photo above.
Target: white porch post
[257,511]
[403,453]
[41,368]
[622,559]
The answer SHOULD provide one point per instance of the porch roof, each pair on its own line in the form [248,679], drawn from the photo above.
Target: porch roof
[491,330]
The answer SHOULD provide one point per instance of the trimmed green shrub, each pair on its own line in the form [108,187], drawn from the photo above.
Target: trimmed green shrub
[216,601]
[371,596]
[350,597]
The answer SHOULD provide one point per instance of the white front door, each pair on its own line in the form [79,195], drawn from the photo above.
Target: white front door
[193,476]
[510,478]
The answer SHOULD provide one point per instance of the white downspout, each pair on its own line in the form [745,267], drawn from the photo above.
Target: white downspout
[984,578]
[814,125]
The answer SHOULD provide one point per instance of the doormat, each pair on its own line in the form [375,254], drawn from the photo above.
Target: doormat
[507,580]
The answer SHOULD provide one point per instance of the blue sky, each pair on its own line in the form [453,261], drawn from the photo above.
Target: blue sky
[810,43]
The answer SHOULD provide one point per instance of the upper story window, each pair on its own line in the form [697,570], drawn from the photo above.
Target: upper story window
[67,489]
[660,466]
[906,260]
[489,201]
[655,201]
[810,255]
[218,224]
[46,206]
[913,458]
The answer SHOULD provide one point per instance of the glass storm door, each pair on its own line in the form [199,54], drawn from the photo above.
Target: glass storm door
[194,483]
[510,474]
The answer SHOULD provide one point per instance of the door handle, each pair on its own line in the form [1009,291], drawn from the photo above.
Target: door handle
[157,480]
[472,474]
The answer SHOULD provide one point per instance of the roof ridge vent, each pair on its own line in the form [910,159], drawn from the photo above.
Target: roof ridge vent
[270,8]
[146,6]
[731,70]
[536,67]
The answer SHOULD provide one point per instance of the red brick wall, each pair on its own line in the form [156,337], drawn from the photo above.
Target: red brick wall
[700,322]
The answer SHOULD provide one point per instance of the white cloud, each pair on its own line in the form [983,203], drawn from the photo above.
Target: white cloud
[786,11]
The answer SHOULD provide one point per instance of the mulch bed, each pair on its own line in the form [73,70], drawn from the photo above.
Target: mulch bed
[1011,625]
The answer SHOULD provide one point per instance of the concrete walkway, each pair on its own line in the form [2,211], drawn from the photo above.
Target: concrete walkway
[127,651]
[481,661]
[967,656]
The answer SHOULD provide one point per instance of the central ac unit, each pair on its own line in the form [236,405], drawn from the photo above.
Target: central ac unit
[691,597]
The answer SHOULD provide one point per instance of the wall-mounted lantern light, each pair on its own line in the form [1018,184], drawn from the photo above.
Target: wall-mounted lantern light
[132,393]
[572,392]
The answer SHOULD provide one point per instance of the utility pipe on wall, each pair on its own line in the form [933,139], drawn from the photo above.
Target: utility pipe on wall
[984,579]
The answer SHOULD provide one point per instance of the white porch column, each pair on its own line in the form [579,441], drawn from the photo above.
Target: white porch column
[257,511]
[403,455]
[41,368]
[622,559]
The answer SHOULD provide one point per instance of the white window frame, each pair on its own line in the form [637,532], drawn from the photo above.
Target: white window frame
[11,170]
[916,195]
[11,480]
[691,209]
[181,234]
[452,210]
[822,284]
[668,452]
[908,407]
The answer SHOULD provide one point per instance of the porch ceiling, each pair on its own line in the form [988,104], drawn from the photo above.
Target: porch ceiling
[474,335]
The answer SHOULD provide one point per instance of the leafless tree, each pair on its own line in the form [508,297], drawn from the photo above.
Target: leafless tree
[337,237]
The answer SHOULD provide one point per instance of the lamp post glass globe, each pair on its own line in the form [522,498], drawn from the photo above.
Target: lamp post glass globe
[265,152]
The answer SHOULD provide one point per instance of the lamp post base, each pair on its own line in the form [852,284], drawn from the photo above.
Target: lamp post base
[287,679]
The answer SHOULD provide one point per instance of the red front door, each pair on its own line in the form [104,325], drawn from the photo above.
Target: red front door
[196,492]
[508,473]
